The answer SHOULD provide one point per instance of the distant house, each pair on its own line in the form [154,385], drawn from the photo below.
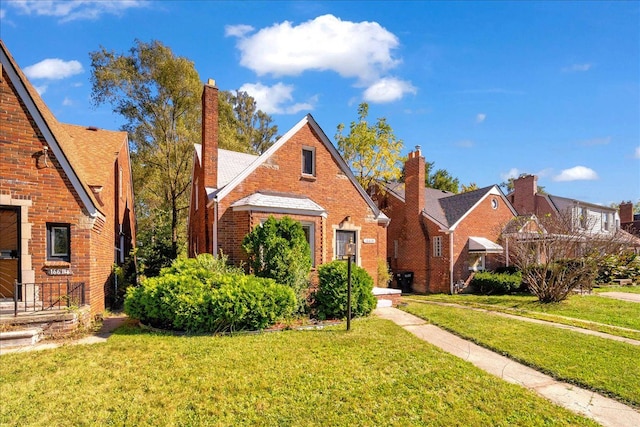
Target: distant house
[584,219]
[527,200]
[440,237]
[629,221]
[66,200]
[301,176]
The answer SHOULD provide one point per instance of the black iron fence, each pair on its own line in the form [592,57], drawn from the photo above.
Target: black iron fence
[34,297]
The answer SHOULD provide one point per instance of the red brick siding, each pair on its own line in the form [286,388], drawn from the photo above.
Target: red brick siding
[330,189]
[54,200]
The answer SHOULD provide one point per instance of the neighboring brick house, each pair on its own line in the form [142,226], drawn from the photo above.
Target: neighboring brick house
[439,236]
[66,198]
[301,176]
[527,200]
[629,221]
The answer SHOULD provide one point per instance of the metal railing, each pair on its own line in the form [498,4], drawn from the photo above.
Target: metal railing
[33,297]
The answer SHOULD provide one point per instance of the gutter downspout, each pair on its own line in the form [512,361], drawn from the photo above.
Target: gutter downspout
[451,262]
[214,247]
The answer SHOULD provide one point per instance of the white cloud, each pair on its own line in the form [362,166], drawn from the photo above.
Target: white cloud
[53,69]
[573,68]
[237,30]
[480,117]
[41,89]
[273,99]
[388,90]
[67,102]
[362,50]
[465,143]
[596,141]
[3,13]
[71,10]
[637,153]
[577,173]
[512,173]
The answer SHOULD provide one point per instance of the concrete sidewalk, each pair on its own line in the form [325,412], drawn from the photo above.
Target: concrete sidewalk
[605,411]
[538,321]
[624,296]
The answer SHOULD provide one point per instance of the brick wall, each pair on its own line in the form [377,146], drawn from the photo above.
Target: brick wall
[23,175]
[330,188]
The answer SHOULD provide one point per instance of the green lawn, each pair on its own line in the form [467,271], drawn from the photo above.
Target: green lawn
[377,374]
[607,366]
[577,310]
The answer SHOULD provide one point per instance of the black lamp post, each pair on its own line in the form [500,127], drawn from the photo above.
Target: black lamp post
[349,252]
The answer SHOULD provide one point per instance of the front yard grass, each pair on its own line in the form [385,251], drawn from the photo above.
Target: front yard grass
[609,367]
[377,374]
[577,310]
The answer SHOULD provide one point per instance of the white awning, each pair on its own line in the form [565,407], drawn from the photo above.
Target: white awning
[279,204]
[482,245]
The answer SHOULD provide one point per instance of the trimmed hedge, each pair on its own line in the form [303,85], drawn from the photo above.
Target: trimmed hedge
[201,296]
[489,283]
[330,299]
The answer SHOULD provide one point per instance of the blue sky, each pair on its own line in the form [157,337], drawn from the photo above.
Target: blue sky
[487,89]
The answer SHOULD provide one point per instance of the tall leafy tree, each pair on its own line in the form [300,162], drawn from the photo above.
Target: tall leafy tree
[158,94]
[467,188]
[372,151]
[242,126]
[440,179]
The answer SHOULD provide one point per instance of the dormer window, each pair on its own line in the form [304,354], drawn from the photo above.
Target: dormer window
[308,161]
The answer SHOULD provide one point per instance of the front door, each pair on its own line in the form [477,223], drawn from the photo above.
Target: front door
[9,249]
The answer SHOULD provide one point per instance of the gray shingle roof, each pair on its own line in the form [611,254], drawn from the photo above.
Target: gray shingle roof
[444,207]
[230,163]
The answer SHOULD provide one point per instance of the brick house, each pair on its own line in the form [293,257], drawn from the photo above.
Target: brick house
[439,236]
[527,200]
[66,199]
[628,220]
[301,176]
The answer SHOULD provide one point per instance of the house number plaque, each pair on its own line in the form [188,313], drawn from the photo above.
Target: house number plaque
[59,271]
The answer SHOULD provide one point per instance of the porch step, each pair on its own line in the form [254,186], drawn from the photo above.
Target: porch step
[20,338]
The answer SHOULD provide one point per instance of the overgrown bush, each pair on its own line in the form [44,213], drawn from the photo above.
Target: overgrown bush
[384,275]
[489,283]
[330,299]
[278,249]
[206,295]
[554,281]
[618,266]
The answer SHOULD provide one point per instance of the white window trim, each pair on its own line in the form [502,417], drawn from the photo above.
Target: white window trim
[437,246]
[481,266]
[312,240]
[313,161]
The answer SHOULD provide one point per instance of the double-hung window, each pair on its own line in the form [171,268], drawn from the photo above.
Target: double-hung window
[342,238]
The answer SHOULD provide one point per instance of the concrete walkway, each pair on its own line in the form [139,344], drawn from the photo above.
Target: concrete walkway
[624,296]
[605,411]
[108,326]
[538,321]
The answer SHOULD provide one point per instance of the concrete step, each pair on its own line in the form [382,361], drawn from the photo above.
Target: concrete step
[20,337]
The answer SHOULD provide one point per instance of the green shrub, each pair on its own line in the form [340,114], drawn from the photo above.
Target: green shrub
[489,283]
[330,299]
[618,266]
[204,295]
[278,249]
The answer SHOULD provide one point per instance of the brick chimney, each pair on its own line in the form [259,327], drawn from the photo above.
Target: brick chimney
[525,189]
[414,184]
[626,212]
[210,134]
